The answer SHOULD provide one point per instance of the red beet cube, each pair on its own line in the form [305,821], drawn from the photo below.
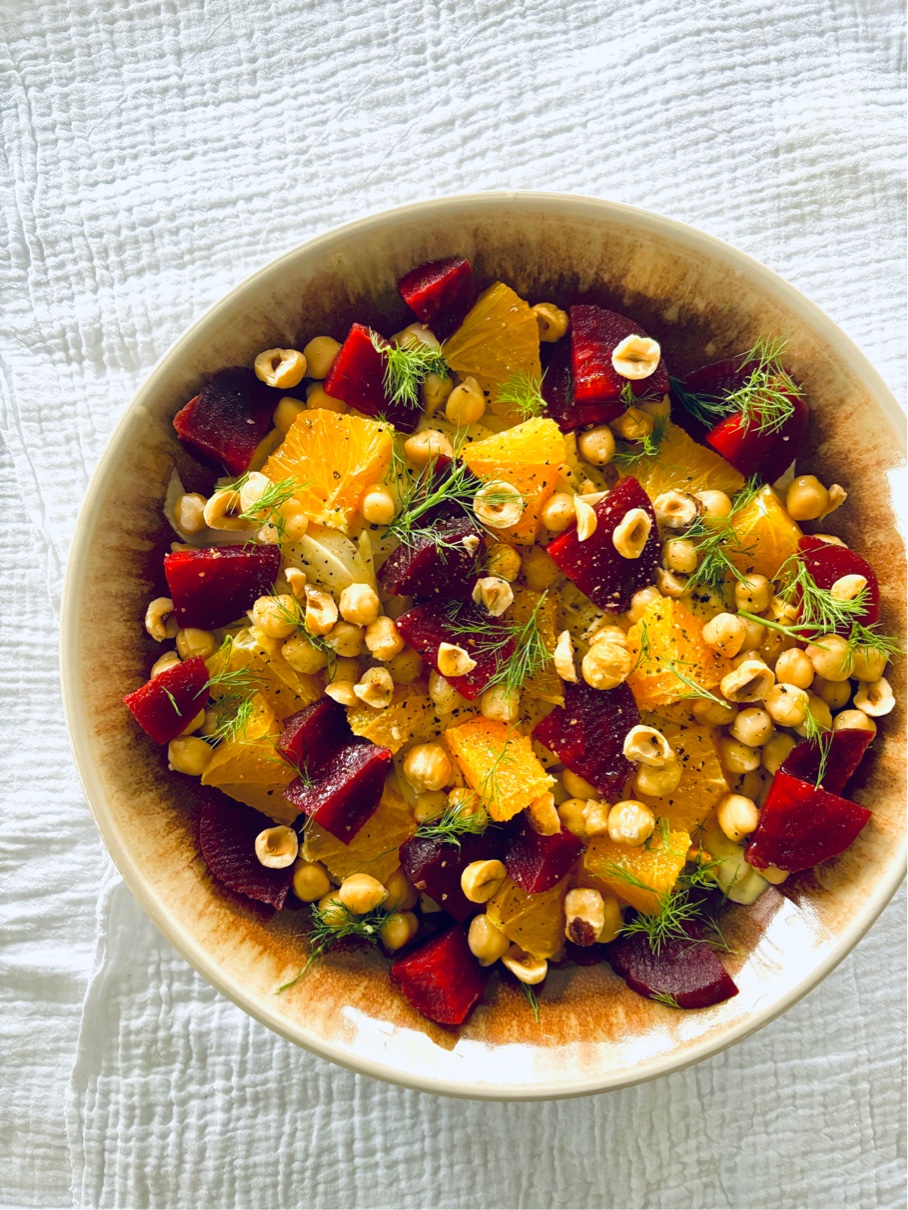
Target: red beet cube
[537,863]
[426,627]
[845,749]
[441,564]
[800,825]
[313,735]
[166,705]
[440,293]
[345,790]
[435,867]
[685,968]
[358,376]
[827,563]
[587,735]
[595,566]
[442,979]
[595,332]
[227,832]
[216,585]
[224,423]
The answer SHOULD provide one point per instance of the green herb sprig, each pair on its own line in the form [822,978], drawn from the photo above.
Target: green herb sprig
[629,453]
[523,394]
[407,366]
[454,822]
[765,399]
[532,1000]
[333,923]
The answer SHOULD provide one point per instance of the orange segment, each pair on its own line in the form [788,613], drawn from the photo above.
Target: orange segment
[333,458]
[411,715]
[249,769]
[683,464]
[529,457]
[498,340]
[655,867]
[668,640]
[373,850]
[534,922]
[499,764]
[766,534]
[702,781]
[546,683]
[283,690]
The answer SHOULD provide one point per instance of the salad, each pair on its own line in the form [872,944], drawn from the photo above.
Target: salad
[498,646]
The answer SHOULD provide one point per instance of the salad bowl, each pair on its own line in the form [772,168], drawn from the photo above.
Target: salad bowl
[700,298]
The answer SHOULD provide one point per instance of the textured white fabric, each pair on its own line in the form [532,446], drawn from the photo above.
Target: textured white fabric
[154,152]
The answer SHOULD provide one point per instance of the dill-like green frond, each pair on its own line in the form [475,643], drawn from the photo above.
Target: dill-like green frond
[335,922]
[766,398]
[532,1000]
[523,393]
[665,998]
[407,367]
[630,452]
[455,821]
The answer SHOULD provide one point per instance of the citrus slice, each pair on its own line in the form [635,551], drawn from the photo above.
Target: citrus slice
[702,780]
[534,922]
[333,457]
[671,660]
[249,769]
[767,536]
[684,465]
[545,683]
[374,848]
[283,690]
[622,867]
[411,715]
[499,764]
[498,340]
[528,457]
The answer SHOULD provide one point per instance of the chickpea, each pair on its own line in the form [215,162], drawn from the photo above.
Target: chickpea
[444,695]
[753,726]
[754,635]
[500,704]
[571,814]
[275,616]
[640,602]
[836,694]
[332,911]
[427,767]
[504,561]
[868,663]
[658,783]
[398,929]
[303,656]
[378,505]
[736,757]
[725,633]
[361,893]
[310,881]
[794,668]
[486,941]
[787,705]
[318,400]
[342,691]
[359,604]
[429,805]
[434,392]
[558,512]
[776,751]
[680,554]
[597,445]
[466,404]
[320,354]
[753,593]
[819,712]
[539,569]
[189,755]
[831,657]
[406,667]
[169,659]
[853,720]
[715,504]
[614,922]
[713,714]
[577,786]
[402,895]
[806,498]
[630,822]
[633,424]
[423,448]
[345,639]
[737,816]
[606,665]
[383,639]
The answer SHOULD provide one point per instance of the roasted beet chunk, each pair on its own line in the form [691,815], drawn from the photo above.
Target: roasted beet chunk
[827,563]
[440,564]
[607,577]
[224,423]
[227,832]
[440,293]
[442,979]
[216,585]
[312,736]
[358,375]
[536,863]
[685,969]
[435,867]
[595,332]
[343,793]
[166,705]
[800,826]
[587,734]
[426,627]
[843,751]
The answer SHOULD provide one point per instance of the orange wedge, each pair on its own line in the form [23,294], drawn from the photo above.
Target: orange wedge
[702,780]
[498,340]
[283,690]
[683,464]
[528,457]
[534,922]
[668,651]
[333,457]
[545,683]
[411,715]
[620,867]
[766,534]
[499,764]
[249,769]
[373,850]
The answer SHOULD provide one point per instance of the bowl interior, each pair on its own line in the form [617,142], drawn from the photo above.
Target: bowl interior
[702,300]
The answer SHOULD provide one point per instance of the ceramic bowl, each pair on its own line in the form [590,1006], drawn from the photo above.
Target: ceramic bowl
[702,299]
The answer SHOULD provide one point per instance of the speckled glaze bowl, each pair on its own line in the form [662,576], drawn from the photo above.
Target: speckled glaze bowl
[702,299]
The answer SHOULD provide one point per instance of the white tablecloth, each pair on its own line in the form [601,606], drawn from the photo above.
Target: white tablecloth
[155,152]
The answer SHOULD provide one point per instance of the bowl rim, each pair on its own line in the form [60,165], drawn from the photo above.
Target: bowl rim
[582,206]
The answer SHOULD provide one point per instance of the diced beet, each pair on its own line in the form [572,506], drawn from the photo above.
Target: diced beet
[313,735]
[426,627]
[224,423]
[168,703]
[435,867]
[537,863]
[442,979]
[587,734]
[800,825]
[686,968]
[357,377]
[827,563]
[435,565]
[440,293]
[227,832]
[595,566]
[558,393]
[214,586]
[595,332]
[845,749]
[345,791]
